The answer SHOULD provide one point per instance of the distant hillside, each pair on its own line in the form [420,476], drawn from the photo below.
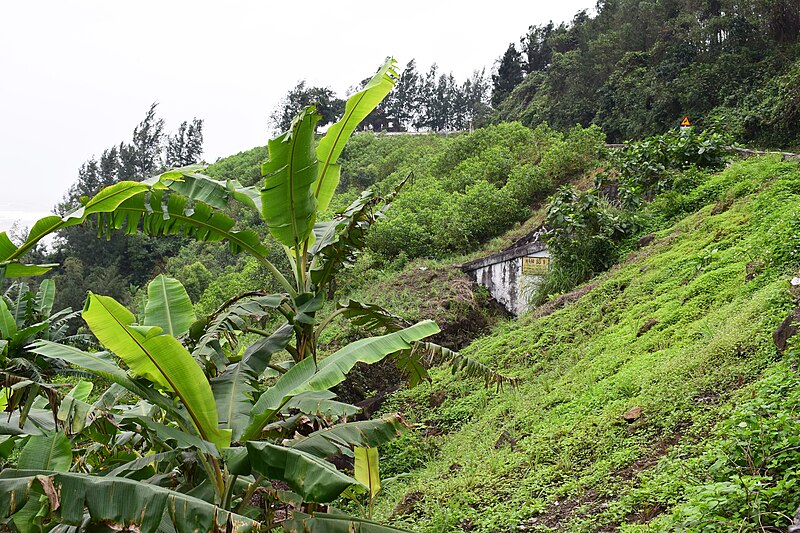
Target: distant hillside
[636,68]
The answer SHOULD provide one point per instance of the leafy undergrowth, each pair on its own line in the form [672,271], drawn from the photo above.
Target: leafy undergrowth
[635,397]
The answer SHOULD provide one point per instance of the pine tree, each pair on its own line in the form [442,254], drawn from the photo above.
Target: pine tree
[509,75]
[186,146]
[403,101]
[298,98]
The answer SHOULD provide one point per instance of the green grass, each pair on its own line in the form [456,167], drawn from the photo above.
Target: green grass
[555,453]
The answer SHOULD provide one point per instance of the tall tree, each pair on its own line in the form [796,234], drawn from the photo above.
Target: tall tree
[301,96]
[185,147]
[509,74]
[402,103]
[537,47]
[144,156]
[476,97]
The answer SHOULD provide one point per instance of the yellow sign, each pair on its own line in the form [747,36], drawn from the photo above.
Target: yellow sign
[685,123]
[535,266]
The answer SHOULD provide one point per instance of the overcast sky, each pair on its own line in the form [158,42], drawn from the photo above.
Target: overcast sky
[77,76]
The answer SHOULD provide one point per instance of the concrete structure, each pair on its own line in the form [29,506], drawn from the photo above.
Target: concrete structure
[513,273]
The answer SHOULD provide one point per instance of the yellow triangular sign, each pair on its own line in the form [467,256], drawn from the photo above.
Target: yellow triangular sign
[686,122]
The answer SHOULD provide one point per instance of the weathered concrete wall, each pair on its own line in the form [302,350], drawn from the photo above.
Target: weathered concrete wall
[502,275]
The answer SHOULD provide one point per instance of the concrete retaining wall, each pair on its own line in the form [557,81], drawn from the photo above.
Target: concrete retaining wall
[502,275]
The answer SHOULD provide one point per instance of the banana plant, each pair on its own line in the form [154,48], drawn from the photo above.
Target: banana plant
[218,436]
[26,315]
[215,420]
[300,179]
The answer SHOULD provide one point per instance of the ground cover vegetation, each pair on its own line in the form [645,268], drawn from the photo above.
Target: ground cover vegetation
[655,401]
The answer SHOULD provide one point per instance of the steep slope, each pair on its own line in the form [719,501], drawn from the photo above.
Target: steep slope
[625,393]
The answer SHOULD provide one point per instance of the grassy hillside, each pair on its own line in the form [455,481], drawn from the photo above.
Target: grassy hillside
[677,340]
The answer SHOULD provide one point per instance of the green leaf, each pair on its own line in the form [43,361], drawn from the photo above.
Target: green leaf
[119,502]
[289,384]
[289,207]
[106,201]
[366,469]
[74,410]
[46,297]
[98,362]
[233,393]
[433,354]
[320,403]
[173,435]
[19,270]
[168,306]
[8,326]
[356,109]
[315,479]
[202,188]
[46,452]
[341,437]
[333,369]
[6,246]
[258,355]
[159,358]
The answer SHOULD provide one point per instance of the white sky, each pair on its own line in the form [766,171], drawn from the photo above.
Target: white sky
[77,76]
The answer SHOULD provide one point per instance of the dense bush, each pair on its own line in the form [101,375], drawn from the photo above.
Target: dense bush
[478,185]
[645,165]
[584,230]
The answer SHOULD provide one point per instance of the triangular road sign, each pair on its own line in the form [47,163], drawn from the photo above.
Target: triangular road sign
[685,123]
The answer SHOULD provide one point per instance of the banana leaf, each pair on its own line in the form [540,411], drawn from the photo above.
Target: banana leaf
[46,297]
[168,306]
[101,364]
[333,369]
[288,203]
[160,359]
[233,394]
[341,437]
[114,501]
[46,452]
[356,109]
[366,469]
[315,479]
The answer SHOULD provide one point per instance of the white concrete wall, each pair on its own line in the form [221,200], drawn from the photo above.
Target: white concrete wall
[507,284]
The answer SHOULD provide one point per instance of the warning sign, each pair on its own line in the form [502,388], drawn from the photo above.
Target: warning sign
[685,123]
[535,266]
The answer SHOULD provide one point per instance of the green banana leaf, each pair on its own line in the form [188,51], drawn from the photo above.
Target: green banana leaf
[233,393]
[273,399]
[74,409]
[46,452]
[341,437]
[307,377]
[356,109]
[288,203]
[8,326]
[187,182]
[333,369]
[106,201]
[322,404]
[159,358]
[45,297]
[101,364]
[114,501]
[168,306]
[315,479]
